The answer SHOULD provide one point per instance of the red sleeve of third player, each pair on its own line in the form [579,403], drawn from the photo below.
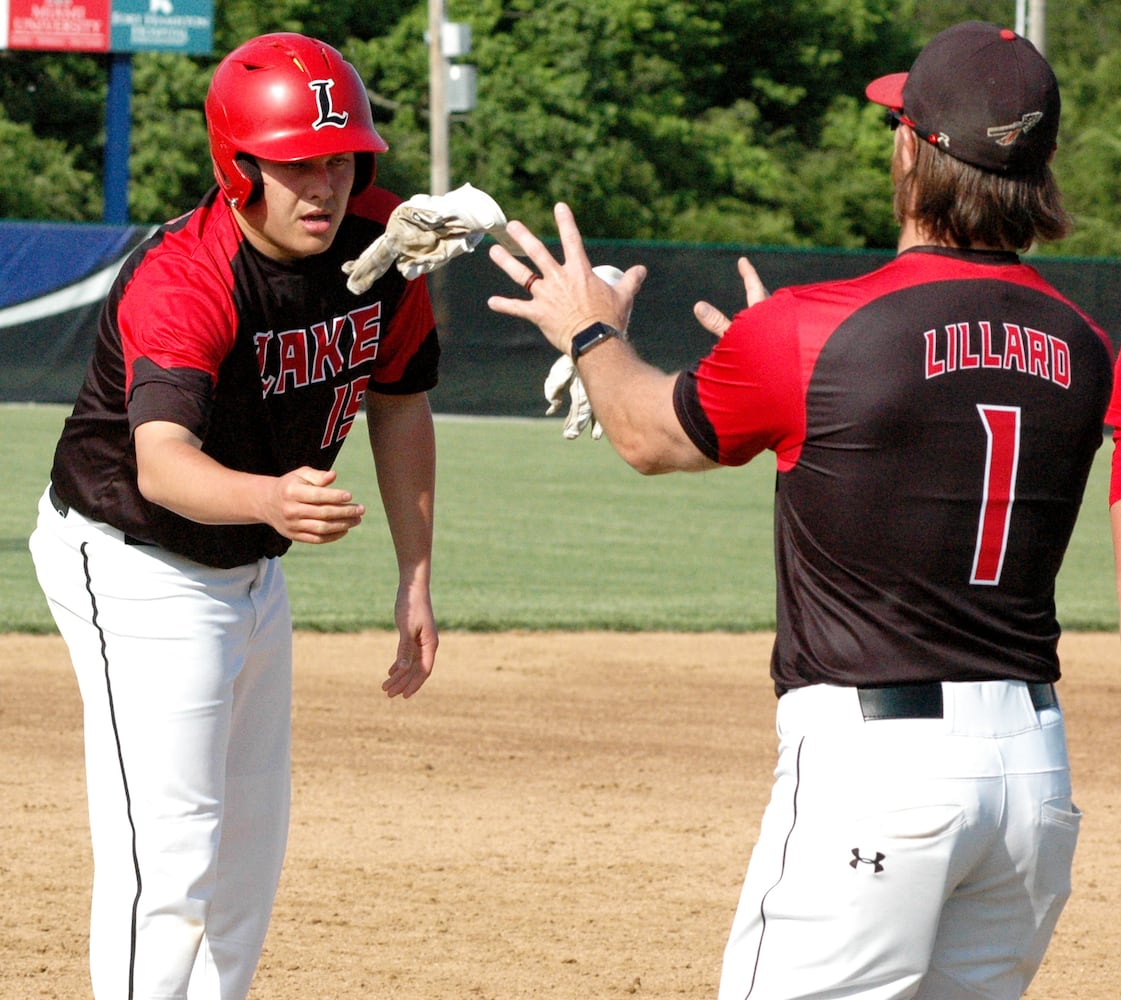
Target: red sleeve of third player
[747,395]
[1113,418]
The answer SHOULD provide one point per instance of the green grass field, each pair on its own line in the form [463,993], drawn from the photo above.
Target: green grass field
[535,532]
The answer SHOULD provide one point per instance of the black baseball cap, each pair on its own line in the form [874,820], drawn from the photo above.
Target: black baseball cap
[980,93]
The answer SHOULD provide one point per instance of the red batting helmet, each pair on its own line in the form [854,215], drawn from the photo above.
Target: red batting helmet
[286,97]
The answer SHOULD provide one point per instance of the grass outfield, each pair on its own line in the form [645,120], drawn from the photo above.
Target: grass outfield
[535,532]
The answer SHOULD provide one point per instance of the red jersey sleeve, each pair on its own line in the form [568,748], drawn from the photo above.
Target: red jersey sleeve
[750,387]
[175,318]
[408,355]
[1113,418]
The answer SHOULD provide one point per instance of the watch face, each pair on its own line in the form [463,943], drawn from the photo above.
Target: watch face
[588,338]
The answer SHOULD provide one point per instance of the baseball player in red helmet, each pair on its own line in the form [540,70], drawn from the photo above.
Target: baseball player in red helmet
[231,364]
[934,423]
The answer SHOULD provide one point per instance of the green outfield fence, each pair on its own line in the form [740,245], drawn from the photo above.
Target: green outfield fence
[493,365]
[486,356]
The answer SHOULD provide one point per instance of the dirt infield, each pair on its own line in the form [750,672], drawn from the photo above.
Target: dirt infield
[552,816]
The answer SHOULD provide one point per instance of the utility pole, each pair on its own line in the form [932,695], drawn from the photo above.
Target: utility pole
[451,86]
[1037,25]
[437,98]
[1031,22]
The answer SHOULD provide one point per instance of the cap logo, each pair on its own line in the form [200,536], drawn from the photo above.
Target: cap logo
[327,114]
[1006,135]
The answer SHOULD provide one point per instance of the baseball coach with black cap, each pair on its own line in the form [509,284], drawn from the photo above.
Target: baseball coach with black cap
[933,425]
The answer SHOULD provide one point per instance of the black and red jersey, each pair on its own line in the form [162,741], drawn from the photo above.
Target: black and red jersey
[265,361]
[934,424]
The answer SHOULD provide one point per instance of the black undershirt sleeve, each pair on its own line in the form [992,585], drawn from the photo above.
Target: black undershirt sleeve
[179,395]
[691,414]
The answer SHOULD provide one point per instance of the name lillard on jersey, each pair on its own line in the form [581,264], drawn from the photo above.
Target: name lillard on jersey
[958,347]
[304,357]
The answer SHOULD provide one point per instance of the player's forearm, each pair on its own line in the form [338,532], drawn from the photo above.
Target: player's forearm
[403,442]
[633,402]
[176,475]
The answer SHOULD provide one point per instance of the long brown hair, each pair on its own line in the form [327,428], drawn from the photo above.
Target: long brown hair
[956,203]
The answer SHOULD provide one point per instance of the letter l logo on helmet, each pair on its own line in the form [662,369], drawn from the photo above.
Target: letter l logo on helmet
[327,114]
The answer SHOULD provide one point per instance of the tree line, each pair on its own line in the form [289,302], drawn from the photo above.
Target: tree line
[701,121]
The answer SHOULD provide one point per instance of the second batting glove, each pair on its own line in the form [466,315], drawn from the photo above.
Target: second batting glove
[562,376]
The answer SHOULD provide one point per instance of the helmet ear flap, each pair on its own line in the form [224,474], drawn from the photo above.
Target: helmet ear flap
[251,172]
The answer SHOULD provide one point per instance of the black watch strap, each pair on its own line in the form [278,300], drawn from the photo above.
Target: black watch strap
[587,338]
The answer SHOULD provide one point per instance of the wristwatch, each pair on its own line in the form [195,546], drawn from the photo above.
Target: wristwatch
[587,338]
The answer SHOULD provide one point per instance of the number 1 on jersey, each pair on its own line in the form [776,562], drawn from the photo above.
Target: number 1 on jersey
[1002,456]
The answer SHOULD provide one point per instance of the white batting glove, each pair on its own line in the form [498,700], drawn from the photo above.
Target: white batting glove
[563,376]
[425,232]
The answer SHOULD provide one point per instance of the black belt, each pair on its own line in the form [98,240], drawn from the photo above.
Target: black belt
[924,701]
[63,509]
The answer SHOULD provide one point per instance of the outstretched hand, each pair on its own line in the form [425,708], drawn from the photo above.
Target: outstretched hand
[712,319]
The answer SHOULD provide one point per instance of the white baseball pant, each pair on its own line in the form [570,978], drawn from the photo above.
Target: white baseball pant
[907,859]
[185,674]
